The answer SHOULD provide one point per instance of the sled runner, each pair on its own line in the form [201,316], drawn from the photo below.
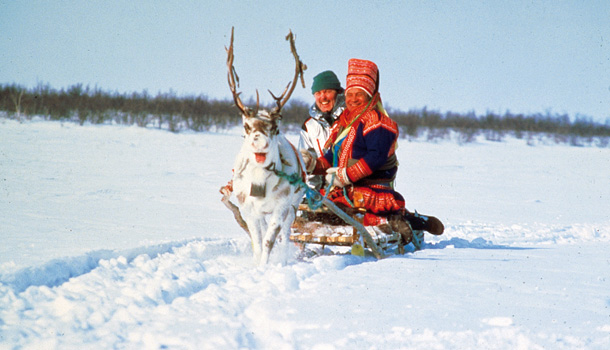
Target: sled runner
[329,225]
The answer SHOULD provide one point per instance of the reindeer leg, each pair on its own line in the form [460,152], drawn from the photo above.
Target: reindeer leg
[279,225]
[269,242]
[273,228]
[234,209]
[284,235]
[256,231]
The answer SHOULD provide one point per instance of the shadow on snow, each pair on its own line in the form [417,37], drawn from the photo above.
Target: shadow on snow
[477,243]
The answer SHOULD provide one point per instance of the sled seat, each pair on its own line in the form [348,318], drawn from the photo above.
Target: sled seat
[322,226]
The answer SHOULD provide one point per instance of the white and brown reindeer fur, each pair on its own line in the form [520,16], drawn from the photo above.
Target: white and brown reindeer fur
[267,201]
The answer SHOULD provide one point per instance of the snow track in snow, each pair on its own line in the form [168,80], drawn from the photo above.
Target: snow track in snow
[58,271]
[111,298]
[104,293]
[206,294]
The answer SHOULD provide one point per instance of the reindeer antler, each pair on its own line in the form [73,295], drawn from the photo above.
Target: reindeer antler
[300,67]
[282,99]
[234,78]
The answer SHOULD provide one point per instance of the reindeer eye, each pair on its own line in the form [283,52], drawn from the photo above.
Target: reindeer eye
[247,128]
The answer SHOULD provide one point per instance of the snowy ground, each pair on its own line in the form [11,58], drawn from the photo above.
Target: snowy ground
[114,237]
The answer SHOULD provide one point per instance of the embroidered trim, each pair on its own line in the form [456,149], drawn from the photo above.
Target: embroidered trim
[374,120]
[343,176]
[359,170]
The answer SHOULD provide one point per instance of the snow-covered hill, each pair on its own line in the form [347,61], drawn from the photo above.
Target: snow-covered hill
[114,237]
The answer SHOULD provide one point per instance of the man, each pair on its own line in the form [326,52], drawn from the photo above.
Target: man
[328,105]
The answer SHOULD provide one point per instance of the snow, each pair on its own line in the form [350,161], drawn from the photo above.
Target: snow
[115,237]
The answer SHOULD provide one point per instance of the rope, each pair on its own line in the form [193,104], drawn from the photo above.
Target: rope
[351,204]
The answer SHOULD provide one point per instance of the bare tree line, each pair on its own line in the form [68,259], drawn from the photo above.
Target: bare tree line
[83,104]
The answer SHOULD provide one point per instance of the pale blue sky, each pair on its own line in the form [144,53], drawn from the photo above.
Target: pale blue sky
[522,56]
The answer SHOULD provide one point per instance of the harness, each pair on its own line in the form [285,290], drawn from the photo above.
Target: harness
[314,198]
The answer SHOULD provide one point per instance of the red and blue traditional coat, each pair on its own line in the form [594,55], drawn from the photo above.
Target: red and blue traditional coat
[364,143]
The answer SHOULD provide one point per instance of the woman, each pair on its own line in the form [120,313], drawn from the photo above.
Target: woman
[361,160]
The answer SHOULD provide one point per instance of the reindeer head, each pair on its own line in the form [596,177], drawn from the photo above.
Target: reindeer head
[261,126]
[260,131]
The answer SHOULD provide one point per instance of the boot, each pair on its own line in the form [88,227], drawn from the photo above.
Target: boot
[400,225]
[385,228]
[425,222]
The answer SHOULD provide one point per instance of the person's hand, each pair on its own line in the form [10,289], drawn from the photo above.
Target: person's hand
[338,177]
[310,160]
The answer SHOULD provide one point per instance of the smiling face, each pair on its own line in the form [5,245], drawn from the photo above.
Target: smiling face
[325,99]
[356,97]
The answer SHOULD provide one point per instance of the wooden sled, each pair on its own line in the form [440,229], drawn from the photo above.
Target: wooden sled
[329,225]
[343,230]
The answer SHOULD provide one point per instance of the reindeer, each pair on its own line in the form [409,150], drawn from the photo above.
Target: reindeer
[265,169]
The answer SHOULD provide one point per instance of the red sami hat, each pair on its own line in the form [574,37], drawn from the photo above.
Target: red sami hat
[362,74]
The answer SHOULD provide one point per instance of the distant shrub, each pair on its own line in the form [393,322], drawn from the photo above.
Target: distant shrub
[169,111]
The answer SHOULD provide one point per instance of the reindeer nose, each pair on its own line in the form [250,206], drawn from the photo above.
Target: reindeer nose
[259,141]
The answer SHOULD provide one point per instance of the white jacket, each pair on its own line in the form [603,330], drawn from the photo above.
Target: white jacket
[315,131]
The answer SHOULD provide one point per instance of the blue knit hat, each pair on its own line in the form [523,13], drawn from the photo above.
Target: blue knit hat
[326,80]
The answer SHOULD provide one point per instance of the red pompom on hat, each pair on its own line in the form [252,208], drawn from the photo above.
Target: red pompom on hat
[362,74]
